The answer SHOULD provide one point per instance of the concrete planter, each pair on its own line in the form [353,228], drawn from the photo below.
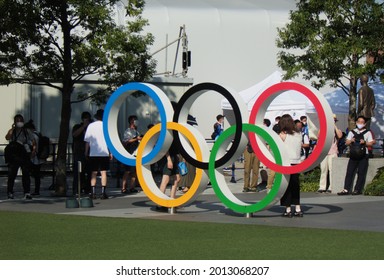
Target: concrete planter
[340,169]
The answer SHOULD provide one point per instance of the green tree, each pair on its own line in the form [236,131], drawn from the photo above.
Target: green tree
[56,43]
[329,41]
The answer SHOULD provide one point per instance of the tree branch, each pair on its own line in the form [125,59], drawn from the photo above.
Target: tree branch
[83,99]
[53,42]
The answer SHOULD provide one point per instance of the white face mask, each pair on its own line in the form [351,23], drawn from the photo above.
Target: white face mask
[135,122]
[360,126]
[19,124]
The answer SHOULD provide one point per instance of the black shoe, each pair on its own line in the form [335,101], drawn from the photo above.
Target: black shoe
[245,190]
[10,196]
[356,193]
[124,191]
[261,187]
[343,192]
[298,214]
[321,191]
[35,194]
[104,196]
[287,214]
[133,191]
[328,191]
[93,196]
[161,209]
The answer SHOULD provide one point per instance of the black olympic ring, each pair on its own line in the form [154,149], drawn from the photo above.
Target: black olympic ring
[182,112]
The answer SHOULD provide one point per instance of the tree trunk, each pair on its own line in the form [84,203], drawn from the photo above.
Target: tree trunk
[352,103]
[61,163]
[61,168]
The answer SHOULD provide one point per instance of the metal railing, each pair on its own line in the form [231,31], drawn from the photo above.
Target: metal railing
[116,168]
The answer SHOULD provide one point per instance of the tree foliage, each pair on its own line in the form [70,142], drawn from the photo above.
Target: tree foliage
[57,43]
[329,41]
[38,39]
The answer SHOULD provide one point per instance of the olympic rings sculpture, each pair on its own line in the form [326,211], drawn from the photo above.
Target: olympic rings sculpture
[227,148]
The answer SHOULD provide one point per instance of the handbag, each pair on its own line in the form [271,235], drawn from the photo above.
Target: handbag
[183,170]
[15,151]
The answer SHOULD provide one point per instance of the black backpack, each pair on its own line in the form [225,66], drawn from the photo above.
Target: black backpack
[43,150]
[356,150]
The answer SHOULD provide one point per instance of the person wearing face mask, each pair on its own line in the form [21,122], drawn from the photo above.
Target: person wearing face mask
[18,133]
[130,141]
[304,129]
[305,132]
[361,137]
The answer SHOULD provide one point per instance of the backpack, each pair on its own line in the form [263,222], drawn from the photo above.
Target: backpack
[43,150]
[216,131]
[214,135]
[356,150]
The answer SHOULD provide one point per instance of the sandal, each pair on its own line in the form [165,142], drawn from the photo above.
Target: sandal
[343,192]
[287,214]
[185,190]
[298,214]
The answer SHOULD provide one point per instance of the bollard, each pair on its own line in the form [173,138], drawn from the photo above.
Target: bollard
[233,179]
[86,202]
[248,215]
[79,169]
[71,203]
[172,210]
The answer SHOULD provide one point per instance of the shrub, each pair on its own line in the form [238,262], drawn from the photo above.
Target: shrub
[309,181]
[376,187]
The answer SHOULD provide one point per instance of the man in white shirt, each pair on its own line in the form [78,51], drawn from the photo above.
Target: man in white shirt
[97,151]
[360,136]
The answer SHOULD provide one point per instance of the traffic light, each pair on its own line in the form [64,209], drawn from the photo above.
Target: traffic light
[186,59]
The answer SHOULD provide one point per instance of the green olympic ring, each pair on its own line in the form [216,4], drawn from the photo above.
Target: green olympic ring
[221,188]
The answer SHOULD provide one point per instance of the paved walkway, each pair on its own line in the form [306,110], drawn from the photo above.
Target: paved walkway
[330,211]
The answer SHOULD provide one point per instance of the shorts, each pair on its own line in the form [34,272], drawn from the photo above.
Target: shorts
[130,169]
[99,163]
[174,170]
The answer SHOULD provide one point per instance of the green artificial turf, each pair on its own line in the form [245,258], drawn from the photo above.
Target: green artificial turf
[61,237]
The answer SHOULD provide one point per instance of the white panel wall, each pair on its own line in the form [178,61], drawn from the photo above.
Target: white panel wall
[232,43]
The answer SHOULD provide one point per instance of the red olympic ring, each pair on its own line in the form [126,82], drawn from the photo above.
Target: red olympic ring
[325,121]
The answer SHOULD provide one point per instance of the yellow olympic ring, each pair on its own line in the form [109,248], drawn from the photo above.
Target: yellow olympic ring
[144,173]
